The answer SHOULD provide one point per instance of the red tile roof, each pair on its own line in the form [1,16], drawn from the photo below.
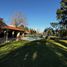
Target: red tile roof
[12,28]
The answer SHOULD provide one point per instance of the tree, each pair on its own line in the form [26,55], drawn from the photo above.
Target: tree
[2,23]
[48,31]
[26,28]
[54,25]
[62,14]
[18,19]
[62,17]
[32,31]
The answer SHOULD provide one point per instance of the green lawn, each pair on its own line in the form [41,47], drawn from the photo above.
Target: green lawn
[10,46]
[39,53]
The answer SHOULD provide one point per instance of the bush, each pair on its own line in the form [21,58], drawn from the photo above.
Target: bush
[63,33]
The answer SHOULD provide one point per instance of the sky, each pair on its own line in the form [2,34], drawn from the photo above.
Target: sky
[39,13]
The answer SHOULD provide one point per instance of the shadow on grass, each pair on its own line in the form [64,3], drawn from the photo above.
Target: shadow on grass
[63,43]
[2,45]
[61,50]
[62,53]
[32,54]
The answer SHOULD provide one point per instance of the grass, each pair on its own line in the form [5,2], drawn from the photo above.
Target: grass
[58,44]
[38,53]
[65,41]
[59,48]
[10,46]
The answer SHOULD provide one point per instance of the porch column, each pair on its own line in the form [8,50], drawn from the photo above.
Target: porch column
[6,35]
[18,36]
[13,32]
[22,34]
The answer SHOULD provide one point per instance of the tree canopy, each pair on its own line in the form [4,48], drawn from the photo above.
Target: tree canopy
[18,19]
[62,12]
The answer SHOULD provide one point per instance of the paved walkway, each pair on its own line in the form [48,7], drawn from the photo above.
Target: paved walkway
[31,38]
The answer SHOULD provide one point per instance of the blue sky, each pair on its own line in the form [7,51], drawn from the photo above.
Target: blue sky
[39,13]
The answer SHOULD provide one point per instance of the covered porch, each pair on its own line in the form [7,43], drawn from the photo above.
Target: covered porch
[9,33]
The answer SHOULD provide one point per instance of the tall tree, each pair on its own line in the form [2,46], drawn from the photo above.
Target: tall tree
[18,19]
[62,14]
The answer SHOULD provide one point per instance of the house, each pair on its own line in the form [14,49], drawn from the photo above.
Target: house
[9,31]
[12,31]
